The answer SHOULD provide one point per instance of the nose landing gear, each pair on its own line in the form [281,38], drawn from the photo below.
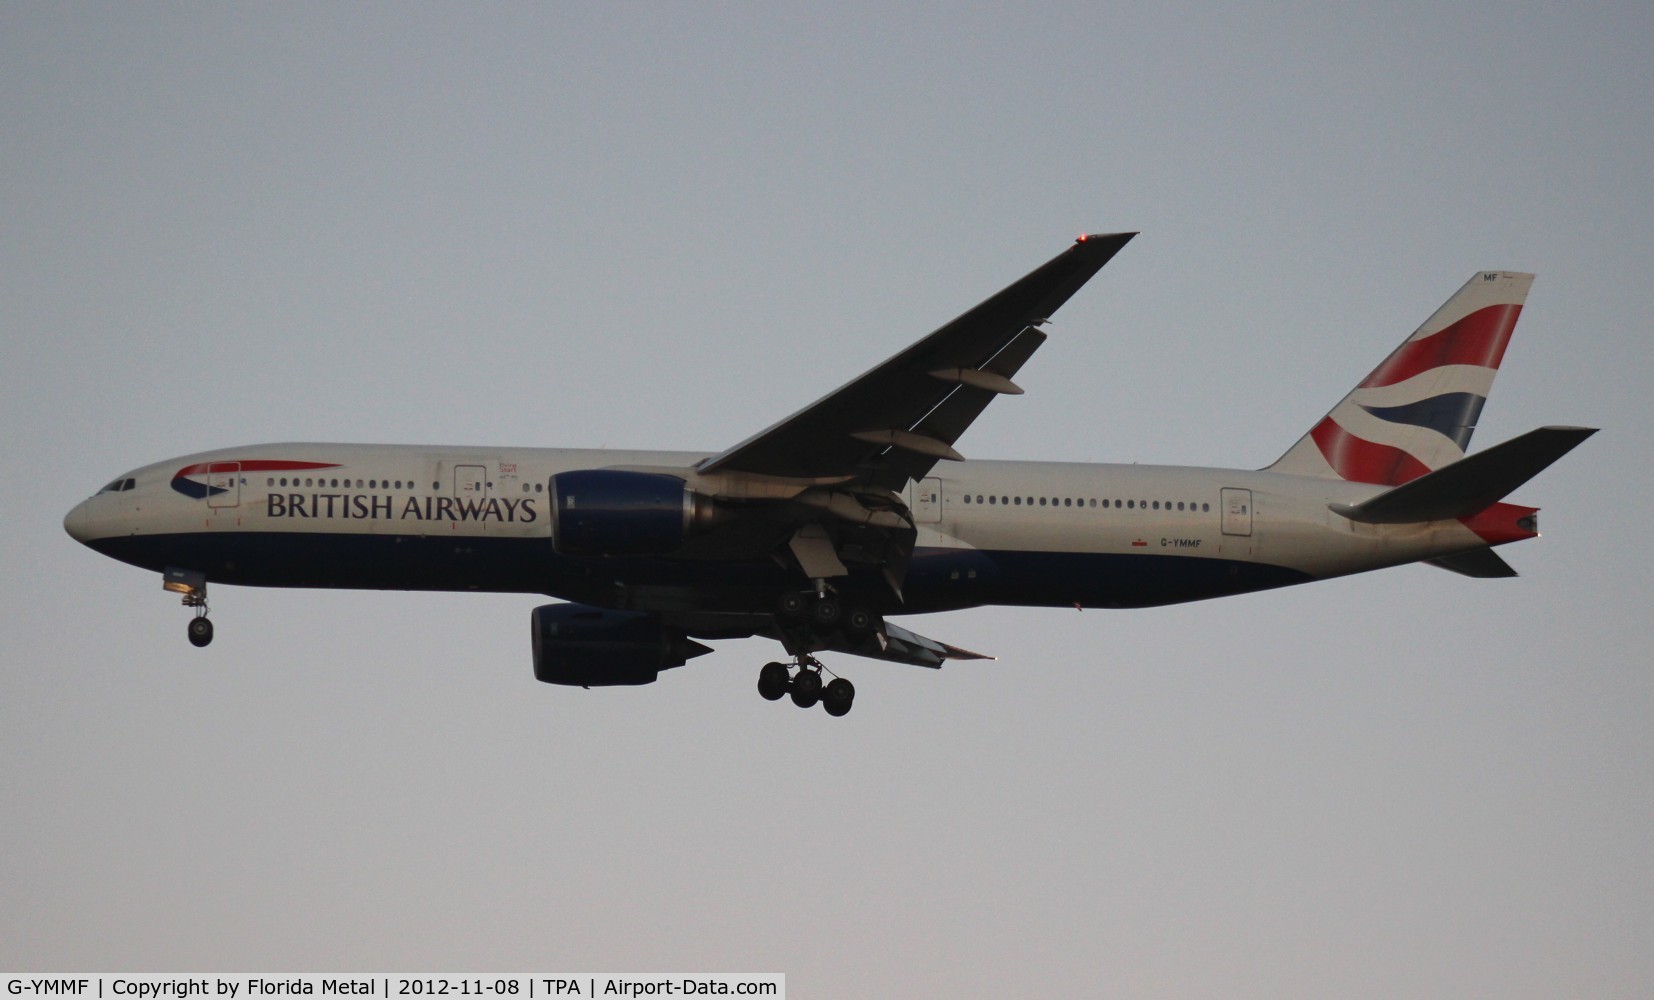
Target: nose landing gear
[193,586]
[806,687]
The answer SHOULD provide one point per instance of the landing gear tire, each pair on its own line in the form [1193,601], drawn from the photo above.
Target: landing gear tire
[200,631]
[806,688]
[825,614]
[772,681]
[859,622]
[792,607]
[838,696]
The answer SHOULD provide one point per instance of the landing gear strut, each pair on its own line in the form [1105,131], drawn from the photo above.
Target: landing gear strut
[806,687]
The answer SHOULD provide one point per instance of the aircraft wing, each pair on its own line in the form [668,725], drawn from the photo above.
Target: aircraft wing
[895,421]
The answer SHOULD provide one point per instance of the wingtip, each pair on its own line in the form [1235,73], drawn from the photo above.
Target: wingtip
[1100,237]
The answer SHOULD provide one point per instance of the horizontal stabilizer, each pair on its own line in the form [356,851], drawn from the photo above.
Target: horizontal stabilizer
[1484,564]
[1470,485]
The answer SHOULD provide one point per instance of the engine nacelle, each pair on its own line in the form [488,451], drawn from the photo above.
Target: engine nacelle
[596,647]
[612,512]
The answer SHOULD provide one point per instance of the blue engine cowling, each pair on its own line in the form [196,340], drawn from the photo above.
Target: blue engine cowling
[597,647]
[612,512]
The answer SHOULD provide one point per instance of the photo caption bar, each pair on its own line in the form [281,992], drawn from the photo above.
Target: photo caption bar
[392,986]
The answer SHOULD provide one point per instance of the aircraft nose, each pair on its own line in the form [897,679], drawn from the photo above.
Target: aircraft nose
[75,523]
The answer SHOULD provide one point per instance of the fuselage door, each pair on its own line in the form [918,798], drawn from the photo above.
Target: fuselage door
[927,501]
[1237,511]
[224,484]
[470,481]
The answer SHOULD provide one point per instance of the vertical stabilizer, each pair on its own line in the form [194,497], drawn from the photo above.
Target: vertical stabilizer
[1416,411]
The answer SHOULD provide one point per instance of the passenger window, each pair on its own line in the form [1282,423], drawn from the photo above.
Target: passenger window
[1019,501]
[992,499]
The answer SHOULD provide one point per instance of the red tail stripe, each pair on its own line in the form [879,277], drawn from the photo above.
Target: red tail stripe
[257,465]
[1478,339]
[1361,461]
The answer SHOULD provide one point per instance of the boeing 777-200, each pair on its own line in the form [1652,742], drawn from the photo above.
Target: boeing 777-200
[857,508]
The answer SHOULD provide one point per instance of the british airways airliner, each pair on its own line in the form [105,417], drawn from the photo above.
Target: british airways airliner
[857,508]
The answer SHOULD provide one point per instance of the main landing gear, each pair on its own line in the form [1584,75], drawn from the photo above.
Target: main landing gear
[806,687]
[824,613]
[816,620]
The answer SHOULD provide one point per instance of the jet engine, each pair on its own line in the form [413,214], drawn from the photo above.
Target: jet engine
[613,512]
[597,647]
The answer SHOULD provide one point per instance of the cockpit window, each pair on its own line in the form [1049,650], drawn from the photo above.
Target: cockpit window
[119,486]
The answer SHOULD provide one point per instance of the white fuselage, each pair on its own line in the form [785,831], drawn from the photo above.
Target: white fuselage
[466,518]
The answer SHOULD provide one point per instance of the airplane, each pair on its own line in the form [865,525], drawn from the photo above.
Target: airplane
[818,530]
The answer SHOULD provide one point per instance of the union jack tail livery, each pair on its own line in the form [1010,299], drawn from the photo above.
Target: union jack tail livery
[1416,411]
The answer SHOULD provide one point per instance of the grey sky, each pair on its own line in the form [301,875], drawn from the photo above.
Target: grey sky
[667,226]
